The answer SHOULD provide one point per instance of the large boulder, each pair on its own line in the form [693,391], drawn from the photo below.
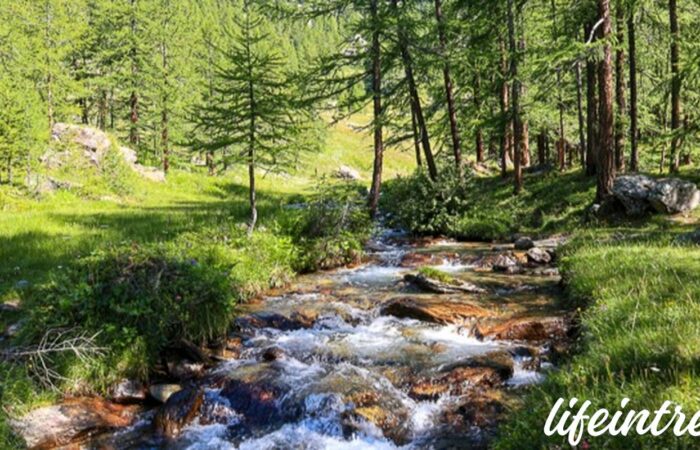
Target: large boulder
[95,144]
[639,194]
[673,196]
[72,421]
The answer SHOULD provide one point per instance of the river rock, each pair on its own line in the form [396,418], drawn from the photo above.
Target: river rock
[128,391]
[505,263]
[266,319]
[531,329]
[481,408]
[71,421]
[162,392]
[461,377]
[181,408]
[258,401]
[416,259]
[441,287]
[538,256]
[500,361]
[272,354]
[524,243]
[434,310]
[185,370]
[640,194]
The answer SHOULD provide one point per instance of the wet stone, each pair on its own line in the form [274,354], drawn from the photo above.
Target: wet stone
[181,408]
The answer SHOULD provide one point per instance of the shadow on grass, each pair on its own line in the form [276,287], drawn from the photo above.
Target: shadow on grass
[32,255]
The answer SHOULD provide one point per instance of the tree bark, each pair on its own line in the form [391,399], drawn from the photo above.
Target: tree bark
[515,97]
[134,98]
[581,120]
[541,148]
[631,37]
[449,88]
[591,113]
[416,136]
[378,113]
[479,133]
[415,100]
[165,135]
[620,89]
[561,150]
[506,134]
[606,156]
[675,86]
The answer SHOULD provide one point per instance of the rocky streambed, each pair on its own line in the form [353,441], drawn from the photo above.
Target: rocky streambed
[388,354]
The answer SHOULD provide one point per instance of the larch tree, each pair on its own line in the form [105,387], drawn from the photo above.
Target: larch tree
[253,107]
[606,146]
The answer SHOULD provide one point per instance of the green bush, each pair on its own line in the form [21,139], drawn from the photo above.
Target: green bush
[333,229]
[423,206]
[140,299]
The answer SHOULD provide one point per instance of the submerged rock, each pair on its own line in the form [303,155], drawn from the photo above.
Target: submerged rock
[434,310]
[71,422]
[181,408]
[442,287]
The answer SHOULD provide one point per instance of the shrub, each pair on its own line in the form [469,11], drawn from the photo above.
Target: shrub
[140,299]
[333,229]
[423,206]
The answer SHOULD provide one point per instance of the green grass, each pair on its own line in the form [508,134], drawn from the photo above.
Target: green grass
[436,274]
[640,339]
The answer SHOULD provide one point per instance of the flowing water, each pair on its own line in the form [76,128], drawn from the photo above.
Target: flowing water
[343,380]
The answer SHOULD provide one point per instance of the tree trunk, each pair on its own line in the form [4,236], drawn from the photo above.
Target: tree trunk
[210,162]
[515,100]
[378,113]
[620,90]
[581,120]
[606,156]
[415,99]
[506,135]
[561,151]
[525,143]
[449,89]
[541,148]
[416,136]
[675,86]
[591,113]
[165,137]
[134,99]
[631,37]
[479,133]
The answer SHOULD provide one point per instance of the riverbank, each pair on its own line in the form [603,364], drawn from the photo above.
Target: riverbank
[635,284]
